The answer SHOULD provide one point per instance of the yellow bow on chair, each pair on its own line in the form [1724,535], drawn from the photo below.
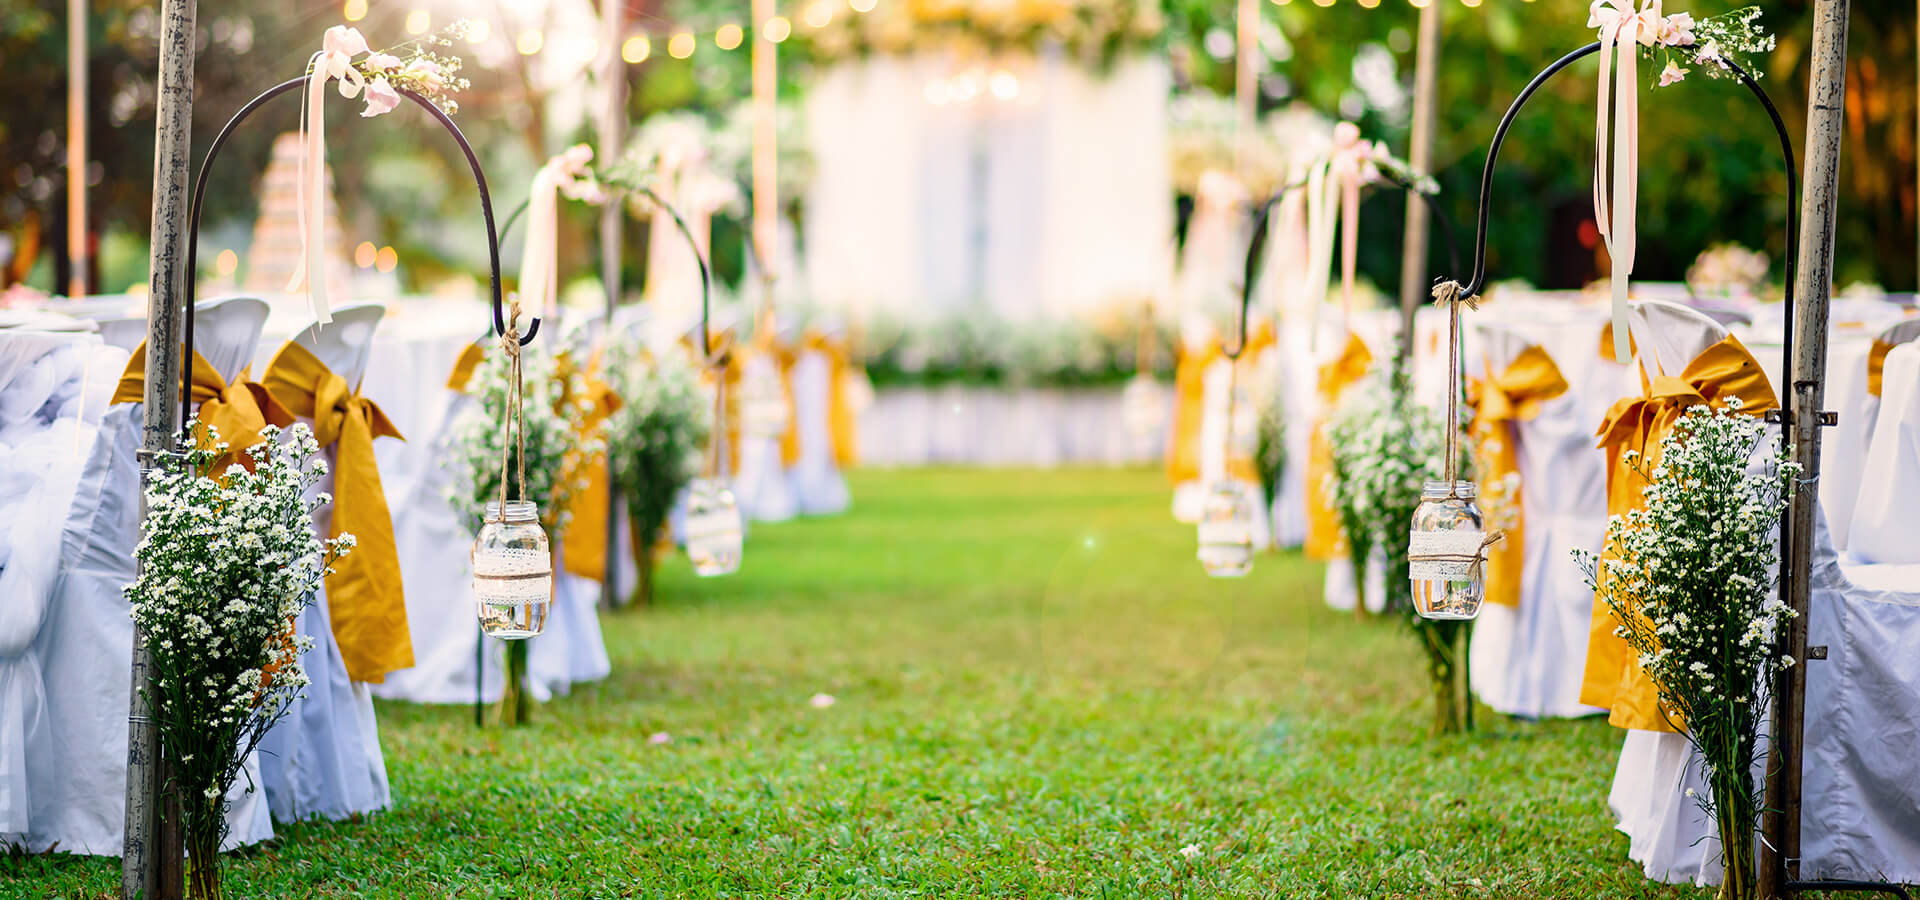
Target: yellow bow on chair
[785,355]
[1613,678]
[840,422]
[1323,521]
[1877,365]
[1499,403]
[462,373]
[585,539]
[238,411]
[1189,390]
[364,594]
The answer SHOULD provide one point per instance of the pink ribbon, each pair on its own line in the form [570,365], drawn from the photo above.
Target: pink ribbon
[1615,202]
[1333,192]
[540,262]
[335,60]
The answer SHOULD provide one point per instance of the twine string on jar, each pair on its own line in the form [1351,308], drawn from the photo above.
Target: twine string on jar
[516,423]
[1451,295]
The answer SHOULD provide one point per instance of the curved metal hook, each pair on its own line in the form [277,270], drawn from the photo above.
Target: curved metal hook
[706,286]
[1793,234]
[706,342]
[200,191]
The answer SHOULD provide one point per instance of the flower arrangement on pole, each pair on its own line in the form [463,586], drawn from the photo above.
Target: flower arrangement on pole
[555,411]
[655,442]
[1385,448]
[1690,580]
[227,560]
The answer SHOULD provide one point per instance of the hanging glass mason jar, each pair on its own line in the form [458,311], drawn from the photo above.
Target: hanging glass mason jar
[714,532]
[1226,531]
[512,571]
[1447,552]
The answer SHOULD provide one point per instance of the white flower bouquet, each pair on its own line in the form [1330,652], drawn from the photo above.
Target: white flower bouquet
[656,440]
[556,406]
[1690,580]
[227,560]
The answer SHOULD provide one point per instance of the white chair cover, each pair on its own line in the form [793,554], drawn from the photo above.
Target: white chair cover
[818,487]
[433,538]
[761,484]
[1886,511]
[324,759]
[79,786]
[570,650]
[1528,661]
[1860,814]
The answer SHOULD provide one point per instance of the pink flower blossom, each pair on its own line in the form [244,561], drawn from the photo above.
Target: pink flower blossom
[381,99]
[342,39]
[575,160]
[1672,73]
[1677,30]
[426,73]
[382,62]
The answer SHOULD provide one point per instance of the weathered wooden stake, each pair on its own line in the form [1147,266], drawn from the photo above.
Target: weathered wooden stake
[1813,287]
[143,850]
[612,128]
[1414,291]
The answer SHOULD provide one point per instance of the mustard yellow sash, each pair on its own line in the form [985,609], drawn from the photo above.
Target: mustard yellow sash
[462,373]
[1323,521]
[1877,364]
[585,540]
[1499,403]
[238,411]
[364,595]
[1613,678]
[841,426]
[1606,343]
[1189,391]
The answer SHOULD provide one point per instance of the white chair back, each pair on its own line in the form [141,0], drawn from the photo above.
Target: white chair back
[125,332]
[1670,335]
[346,343]
[226,332]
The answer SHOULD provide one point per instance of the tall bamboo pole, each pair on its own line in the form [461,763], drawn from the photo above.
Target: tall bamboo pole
[77,147]
[1413,245]
[766,147]
[1813,287]
[613,129]
[142,853]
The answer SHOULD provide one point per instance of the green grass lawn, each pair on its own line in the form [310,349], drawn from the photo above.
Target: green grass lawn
[1038,694]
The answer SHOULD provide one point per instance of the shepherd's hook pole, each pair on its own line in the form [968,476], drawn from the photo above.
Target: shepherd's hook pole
[1813,288]
[142,852]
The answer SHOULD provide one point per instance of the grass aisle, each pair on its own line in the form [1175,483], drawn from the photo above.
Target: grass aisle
[1037,694]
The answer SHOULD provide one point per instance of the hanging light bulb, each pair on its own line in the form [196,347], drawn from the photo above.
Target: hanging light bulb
[1226,530]
[512,571]
[713,528]
[1447,552]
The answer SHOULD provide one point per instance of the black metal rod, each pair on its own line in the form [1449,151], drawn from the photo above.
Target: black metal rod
[1479,278]
[1785,397]
[200,190]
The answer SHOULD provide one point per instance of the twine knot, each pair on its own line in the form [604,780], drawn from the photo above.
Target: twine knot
[1452,293]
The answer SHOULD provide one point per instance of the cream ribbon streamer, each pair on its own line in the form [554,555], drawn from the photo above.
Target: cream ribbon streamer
[1624,30]
[1333,196]
[540,263]
[335,60]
